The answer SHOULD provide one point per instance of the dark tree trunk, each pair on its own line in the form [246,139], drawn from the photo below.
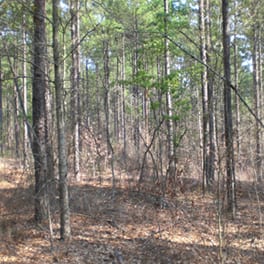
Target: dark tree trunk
[38,109]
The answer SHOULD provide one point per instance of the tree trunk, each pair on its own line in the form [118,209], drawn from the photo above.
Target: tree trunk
[75,84]
[260,62]
[98,99]
[204,77]
[256,57]
[49,143]
[207,97]
[135,67]
[123,111]
[230,170]
[110,150]
[65,227]
[212,137]
[170,137]
[16,113]
[1,110]
[236,76]
[24,84]
[39,111]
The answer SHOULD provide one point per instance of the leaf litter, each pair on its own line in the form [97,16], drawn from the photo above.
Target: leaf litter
[130,227]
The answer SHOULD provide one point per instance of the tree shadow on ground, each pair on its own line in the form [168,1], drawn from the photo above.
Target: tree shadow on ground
[128,226]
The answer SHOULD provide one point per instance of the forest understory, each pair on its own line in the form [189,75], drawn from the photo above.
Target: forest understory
[130,225]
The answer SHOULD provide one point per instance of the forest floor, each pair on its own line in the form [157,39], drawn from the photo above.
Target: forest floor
[130,226]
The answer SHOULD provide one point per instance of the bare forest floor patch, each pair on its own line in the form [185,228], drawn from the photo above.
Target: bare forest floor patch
[129,226]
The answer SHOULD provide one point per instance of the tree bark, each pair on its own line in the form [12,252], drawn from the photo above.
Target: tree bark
[25,101]
[256,59]
[204,78]
[39,111]
[170,137]
[75,84]
[110,150]
[236,79]
[135,68]
[207,97]
[65,227]
[211,109]
[230,170]
[123,101]
[1,110]
[16,113]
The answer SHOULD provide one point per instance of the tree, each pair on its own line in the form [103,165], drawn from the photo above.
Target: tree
[230,169]
[75,84]
[171,151]
[65,227]
[143,67]
[39,110]
[106,84]
[257,62]
[1,109]
[207,95]
[25,93]
[236,79]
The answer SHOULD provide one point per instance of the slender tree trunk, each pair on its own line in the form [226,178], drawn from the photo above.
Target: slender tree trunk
[30,130]
[24,84]
[198,111]
[16,124]
[158,119]
[237,102]
[204,77]
[49,143]
[207,97]
[123,100]
[98,108]
[1,110]
[87,109]
[146,115]
[116,105]
[110,150]
[49,101]
[65,227]
[39,111]
[16,113]
[261,60]
[257,97]
[86,102]
[230,170]
[75,84]
[211,112]
[171,150]
[136,125]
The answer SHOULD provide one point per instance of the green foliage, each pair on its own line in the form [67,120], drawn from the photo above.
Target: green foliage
[143,79]
[134,31]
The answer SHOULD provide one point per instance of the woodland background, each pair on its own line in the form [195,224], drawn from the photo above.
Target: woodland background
[131,131]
